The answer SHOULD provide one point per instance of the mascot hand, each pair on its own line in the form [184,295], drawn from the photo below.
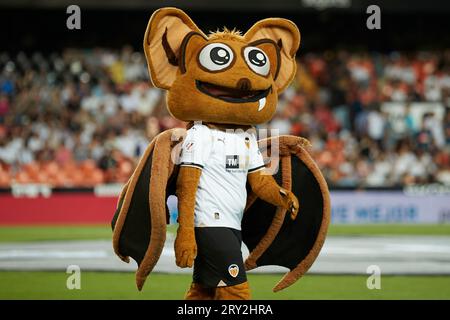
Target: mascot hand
[290,202]
[185,247]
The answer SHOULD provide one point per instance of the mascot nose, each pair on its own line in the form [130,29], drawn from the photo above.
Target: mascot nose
[244,84]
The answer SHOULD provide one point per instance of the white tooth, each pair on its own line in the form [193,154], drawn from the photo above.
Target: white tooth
[262,104]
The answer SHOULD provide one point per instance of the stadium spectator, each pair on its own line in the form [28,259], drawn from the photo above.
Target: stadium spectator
[84,117]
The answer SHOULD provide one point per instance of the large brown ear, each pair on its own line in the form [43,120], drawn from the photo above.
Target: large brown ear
[165,32]
[287,36]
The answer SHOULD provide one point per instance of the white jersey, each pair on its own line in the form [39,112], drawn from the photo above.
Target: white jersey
[225,159]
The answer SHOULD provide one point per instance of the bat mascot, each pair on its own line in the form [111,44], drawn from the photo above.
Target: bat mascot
[222,85]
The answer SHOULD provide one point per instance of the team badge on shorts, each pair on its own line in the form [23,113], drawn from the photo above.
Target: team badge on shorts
[233,270]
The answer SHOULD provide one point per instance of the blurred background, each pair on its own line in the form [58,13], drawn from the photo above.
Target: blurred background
[77,110]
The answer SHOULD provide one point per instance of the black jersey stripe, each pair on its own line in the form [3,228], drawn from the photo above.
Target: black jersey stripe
[191,164]
[257,168]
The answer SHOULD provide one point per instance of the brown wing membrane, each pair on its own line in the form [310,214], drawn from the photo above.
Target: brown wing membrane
[139,223]
[271,236]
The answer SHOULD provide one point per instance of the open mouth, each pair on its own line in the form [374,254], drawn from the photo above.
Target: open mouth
[233,95]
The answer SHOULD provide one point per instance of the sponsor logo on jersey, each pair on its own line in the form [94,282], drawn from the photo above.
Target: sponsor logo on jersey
[232,162]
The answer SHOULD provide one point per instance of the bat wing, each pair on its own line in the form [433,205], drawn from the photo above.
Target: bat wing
[269,233]
[139,223]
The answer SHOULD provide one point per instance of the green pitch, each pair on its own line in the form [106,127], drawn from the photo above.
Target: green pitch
[48,233]
[110,285]
[89,232]
[116,285]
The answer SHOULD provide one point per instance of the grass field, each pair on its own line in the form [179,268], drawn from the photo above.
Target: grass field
[117,285]
[91,232]
[109,285]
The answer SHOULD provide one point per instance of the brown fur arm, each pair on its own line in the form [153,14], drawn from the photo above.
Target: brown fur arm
[266,188]
[185,245]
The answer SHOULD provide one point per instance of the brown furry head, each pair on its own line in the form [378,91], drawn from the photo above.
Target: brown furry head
[225,77]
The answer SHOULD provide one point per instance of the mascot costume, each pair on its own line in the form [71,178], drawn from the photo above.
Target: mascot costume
[222,84]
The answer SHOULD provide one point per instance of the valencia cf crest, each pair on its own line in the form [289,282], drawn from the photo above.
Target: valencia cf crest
[233,270]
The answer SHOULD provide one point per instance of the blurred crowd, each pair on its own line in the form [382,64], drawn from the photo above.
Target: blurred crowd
[83,117]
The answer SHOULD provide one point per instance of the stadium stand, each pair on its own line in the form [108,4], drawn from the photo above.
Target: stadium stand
[82,117]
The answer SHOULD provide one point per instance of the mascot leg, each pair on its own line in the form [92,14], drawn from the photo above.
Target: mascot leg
[237,292]
[197,292]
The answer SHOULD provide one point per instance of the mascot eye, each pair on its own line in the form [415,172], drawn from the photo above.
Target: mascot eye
[257,60]
[216,56]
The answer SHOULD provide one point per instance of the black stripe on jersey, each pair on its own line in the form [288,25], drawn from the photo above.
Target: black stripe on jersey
[191,164]
[257,168]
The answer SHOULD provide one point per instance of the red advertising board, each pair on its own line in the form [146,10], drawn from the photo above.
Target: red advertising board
[70,208]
